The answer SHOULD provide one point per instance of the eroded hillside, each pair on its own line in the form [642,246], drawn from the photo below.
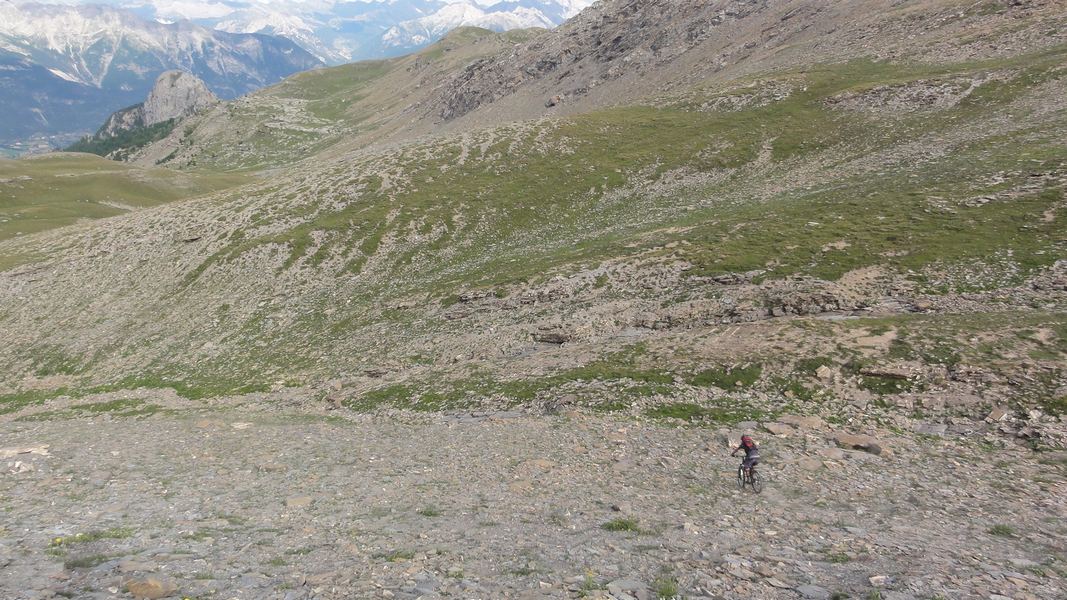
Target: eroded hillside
[324,111]
[485,322]
[913,191]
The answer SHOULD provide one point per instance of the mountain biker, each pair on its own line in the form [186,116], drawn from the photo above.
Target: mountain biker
[751,452]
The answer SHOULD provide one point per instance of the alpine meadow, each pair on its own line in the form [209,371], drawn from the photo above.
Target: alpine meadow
[486,320]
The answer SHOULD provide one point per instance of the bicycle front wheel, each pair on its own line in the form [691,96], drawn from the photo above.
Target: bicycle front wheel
[757,482]
[740,478]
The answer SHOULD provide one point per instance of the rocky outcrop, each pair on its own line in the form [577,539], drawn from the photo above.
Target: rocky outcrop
[596,46]
[126,119]
[176,94]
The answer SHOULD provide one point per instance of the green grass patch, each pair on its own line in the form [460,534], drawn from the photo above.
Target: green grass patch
[50,191]
[114,408]
[10,403]
[115,533]
[1001,530]
[622,524]
[1055,405]
[191,388]
[811,365]
[884,386]
[726,410]
[666,588]
[792,388]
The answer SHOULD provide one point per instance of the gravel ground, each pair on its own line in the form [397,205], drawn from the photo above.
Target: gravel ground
[243,503]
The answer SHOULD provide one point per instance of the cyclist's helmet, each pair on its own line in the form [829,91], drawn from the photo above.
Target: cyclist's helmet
[746,440]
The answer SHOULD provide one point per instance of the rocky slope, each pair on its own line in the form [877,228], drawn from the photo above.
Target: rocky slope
[393,232]
[326,110]
[618,54]
[285,505]
[837,225]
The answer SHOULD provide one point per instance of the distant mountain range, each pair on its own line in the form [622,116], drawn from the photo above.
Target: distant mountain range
[65,67]
[339,31]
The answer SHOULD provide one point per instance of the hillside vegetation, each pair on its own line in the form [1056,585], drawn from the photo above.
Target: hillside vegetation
[830,187]
[119,147]
[56,190]
[312,112]
[485,321]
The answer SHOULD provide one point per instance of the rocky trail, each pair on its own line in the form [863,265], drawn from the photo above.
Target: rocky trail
[245,501]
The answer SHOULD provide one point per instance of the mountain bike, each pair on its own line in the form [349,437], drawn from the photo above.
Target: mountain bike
[752,478]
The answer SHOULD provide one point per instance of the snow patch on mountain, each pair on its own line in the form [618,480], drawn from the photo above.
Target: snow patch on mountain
[339,31]
[416,32]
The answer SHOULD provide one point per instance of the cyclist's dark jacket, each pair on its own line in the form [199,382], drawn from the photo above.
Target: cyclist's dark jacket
[750,451]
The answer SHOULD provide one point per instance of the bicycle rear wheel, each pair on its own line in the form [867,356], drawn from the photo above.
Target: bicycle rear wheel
[740,478]
[757,481]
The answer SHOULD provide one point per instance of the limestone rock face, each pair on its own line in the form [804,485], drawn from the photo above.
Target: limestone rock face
[176,94]
[122,120]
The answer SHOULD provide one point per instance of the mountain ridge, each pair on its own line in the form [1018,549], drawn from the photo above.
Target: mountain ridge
[488,320]
[107,59]
[175,96]
[370,216]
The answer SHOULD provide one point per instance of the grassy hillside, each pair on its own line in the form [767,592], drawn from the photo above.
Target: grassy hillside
[447,269]
[50,191]
[962,198]
[492,289]
[311,112]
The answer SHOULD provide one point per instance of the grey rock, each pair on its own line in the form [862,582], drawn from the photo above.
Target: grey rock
[813,592]
[850,441]
[937,429]
[630,587]
[176,94]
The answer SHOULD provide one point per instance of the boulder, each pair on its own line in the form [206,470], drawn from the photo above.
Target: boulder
[832,453]
[937,429]
[813,592]
[298,502]
[552,336]
[879,580]
[151,588]
[622,588]
[996,415]
[778,428]
[803,422]
[865,443]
